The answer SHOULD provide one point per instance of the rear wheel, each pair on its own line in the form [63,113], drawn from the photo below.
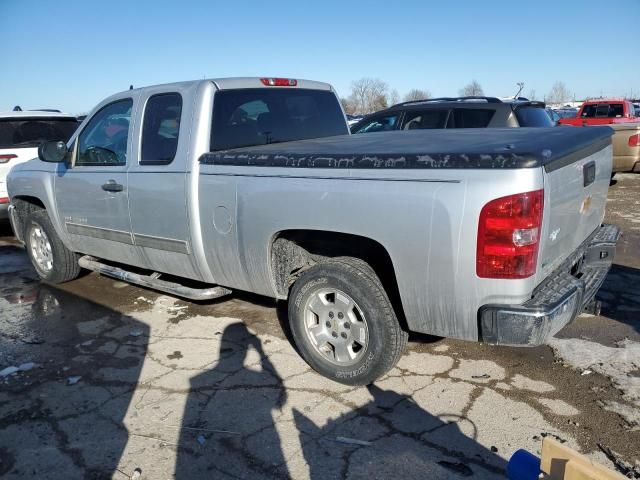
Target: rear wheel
[343,323]
[54,262]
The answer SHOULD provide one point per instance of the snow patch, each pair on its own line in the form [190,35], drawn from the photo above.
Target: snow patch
[620,364]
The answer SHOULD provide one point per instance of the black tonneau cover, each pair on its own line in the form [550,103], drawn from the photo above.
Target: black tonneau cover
[485,148]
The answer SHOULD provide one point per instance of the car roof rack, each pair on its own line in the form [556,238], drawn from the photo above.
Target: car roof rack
[52,110]
[450,99]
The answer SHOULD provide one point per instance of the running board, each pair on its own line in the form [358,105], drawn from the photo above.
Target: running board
[151,281]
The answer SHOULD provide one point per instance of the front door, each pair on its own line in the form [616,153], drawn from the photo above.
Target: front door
[91,194]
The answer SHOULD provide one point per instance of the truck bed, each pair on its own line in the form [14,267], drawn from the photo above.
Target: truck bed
[502,148]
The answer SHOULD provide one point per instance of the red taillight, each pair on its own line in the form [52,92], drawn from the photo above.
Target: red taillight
[634,140]
[509,236]
[4,200]
[279,82]
[6,158]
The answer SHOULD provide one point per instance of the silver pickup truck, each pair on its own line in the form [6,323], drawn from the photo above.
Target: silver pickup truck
[198,188]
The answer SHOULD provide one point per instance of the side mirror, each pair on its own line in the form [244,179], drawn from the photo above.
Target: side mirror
[53,152]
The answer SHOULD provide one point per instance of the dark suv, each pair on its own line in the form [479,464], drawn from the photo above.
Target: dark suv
[456,112]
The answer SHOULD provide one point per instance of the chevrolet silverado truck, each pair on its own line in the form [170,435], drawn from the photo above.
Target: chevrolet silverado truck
[200,188]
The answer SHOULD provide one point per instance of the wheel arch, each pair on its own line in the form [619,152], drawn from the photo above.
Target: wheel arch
[23,206]
[295,250]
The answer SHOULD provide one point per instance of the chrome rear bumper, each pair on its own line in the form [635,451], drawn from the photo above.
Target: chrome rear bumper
[557,301]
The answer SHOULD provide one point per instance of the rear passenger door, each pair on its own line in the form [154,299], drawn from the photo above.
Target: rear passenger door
[158,184]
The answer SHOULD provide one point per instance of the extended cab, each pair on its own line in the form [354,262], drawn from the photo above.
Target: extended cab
[203,187]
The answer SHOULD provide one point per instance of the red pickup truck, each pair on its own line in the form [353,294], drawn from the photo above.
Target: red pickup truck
[603,112]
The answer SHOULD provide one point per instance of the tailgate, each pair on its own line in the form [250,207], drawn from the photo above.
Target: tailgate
[575,197]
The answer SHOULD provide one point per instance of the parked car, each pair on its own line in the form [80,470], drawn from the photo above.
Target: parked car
[603,112]
[566,112]
[553,115]
[456,112]
[485,234]
[20,134]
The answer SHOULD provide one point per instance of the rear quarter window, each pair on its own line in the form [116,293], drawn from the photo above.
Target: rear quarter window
[31,132]
[533,117]
[160,129]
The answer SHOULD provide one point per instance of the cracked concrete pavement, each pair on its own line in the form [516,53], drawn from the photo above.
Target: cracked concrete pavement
[186,390]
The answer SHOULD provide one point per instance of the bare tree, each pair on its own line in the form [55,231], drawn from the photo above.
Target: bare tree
[559,94]
[393,97]
[348,106]
[368,95]
[417,94]
[473,89]
[532,94]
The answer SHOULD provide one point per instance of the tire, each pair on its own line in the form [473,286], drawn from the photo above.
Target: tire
[57,264]
[322,331]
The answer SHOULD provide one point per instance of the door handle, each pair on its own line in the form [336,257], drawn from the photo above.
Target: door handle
[112,186]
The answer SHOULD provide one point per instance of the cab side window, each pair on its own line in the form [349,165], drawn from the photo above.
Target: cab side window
[379,124]
[103,142]
[425,119]
[160,129]
[473,117]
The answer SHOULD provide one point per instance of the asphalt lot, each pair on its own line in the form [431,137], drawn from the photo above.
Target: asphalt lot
[116,378]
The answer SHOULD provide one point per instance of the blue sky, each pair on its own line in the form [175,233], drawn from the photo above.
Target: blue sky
[71,54]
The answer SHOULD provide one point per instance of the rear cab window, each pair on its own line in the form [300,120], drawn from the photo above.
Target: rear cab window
[603,110]
[529,116]
[160,129]
[31,132]
[260,116]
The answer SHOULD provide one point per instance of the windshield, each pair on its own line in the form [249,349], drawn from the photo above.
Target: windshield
[259,116]
[31,132]
[533,117]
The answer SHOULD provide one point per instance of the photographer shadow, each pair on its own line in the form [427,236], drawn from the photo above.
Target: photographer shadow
[228,429]
[393,437]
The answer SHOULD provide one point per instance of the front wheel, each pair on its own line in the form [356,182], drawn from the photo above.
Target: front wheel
[53,262]
[343,322]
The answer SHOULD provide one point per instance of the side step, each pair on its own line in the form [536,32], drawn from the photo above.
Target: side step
[150,281]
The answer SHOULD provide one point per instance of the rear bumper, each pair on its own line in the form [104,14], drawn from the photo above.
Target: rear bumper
[557,301]
[4,211]
[626,163]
